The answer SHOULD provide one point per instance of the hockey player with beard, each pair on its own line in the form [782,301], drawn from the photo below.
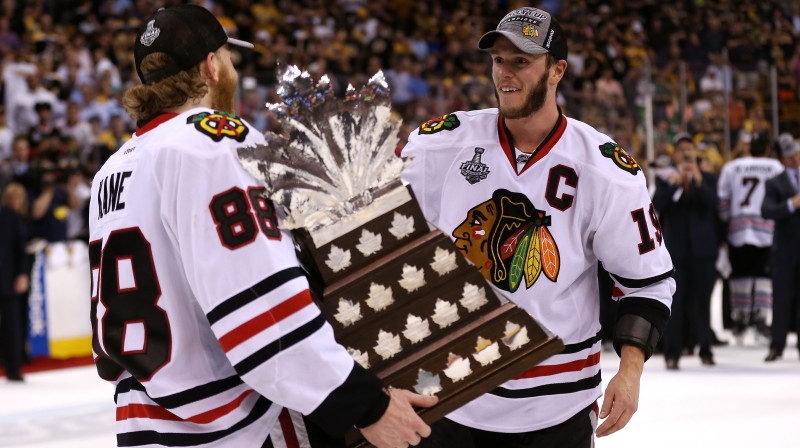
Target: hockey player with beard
[535,199]
[202,318]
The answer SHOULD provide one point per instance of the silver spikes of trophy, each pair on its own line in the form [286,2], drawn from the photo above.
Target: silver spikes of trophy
[399,295]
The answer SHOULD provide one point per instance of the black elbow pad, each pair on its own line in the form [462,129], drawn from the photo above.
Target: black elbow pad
[635,330]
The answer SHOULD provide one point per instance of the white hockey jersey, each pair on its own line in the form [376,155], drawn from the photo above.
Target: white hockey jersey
[536,232]
[741,191]
[202,318]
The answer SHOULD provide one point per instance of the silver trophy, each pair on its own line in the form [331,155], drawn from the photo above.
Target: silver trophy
[397,292]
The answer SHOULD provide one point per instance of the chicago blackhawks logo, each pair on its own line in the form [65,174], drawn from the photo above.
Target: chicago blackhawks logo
[530,31]
[620,157]
[444,123]
[474,170]
[219,125]
[507,238]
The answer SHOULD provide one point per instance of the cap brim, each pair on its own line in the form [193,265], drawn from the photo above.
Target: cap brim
[239,43]
[488,39]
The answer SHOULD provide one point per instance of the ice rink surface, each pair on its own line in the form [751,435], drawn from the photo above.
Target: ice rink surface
[741,402]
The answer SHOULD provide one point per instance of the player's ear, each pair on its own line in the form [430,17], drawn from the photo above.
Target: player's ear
[559,68]
[209,67]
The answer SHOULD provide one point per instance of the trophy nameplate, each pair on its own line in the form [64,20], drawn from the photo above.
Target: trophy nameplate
[398,294]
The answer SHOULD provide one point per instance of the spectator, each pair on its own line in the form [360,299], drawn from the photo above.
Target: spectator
[711,82]
[24,109]
[115,136]
[44,131]
[16,68]
[77,132]
[18,167]
[101,106]
[399,79]
[104,67]
[695,55]
[687,206]
[609,90]
[6,137]
[52,204]
[9,39]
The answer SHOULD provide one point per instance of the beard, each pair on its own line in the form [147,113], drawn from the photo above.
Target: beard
[533,103]
[224,94]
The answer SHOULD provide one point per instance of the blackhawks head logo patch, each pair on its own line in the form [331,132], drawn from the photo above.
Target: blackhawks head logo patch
[508,239]
[444,123]
[219,125]
[620,157]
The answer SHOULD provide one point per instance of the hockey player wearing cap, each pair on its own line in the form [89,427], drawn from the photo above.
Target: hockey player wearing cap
[201,317]
[535,199]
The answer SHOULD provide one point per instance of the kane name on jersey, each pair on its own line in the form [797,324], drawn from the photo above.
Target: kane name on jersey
[109,193]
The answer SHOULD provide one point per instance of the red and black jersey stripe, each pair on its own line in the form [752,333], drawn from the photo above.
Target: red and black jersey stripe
[149,437]
[253,293]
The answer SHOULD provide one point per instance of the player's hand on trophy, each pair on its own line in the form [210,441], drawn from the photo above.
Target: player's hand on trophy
[400,426]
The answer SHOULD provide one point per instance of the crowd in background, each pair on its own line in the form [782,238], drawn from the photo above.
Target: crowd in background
[66,63]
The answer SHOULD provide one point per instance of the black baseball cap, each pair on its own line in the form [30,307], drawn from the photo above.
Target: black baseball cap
[185,33]
[532,30]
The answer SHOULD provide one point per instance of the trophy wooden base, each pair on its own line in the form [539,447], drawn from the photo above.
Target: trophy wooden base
[419,315]
[433,357]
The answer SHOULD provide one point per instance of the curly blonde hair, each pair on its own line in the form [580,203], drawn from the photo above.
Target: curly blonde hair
[145,101]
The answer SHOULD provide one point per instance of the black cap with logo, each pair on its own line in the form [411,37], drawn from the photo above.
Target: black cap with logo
[185,33]
[532,30]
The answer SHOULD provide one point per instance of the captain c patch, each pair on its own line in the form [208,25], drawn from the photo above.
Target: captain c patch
[219,125]
[444,123]
[620,157]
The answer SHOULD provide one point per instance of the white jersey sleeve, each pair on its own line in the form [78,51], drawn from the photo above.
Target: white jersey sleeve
[628,239]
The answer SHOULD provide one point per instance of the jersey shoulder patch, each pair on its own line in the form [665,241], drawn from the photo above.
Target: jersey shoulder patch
[447,122]
[218,125]
[620,158]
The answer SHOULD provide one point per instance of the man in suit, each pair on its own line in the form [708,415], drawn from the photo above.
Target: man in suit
[782,204]
[686,201]
[13,281]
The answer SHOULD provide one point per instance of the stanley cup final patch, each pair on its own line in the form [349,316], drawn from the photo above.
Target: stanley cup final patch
[150,34]
[443,123]
[620,157]
[474,170]
[219,125]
